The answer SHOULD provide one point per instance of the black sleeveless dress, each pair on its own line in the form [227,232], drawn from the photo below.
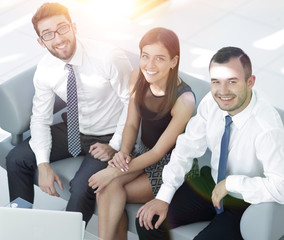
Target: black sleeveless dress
[151,130]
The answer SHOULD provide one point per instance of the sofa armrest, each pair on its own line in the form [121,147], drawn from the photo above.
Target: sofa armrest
[16,104]
[16,97]
[263,221]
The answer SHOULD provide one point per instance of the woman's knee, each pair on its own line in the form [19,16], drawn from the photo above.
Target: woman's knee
[112,190]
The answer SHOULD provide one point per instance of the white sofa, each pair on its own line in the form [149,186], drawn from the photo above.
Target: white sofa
[261,221]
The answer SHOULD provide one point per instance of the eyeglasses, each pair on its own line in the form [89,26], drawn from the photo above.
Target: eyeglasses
[51,35]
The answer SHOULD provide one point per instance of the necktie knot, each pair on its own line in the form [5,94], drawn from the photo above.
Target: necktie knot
[69,67]
[228,121]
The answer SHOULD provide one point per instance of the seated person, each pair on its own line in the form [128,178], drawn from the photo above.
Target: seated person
[163,104]
[246,168]
[98,76]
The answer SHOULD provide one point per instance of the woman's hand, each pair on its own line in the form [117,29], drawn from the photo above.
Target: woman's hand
[120,160]
[101,179]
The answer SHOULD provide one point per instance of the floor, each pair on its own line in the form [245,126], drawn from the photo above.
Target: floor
[203,27]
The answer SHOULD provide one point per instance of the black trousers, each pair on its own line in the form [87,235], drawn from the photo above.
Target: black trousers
[192,203]
[21,166]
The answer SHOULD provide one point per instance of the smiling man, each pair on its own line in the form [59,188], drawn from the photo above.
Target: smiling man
[93,78]
[245,135]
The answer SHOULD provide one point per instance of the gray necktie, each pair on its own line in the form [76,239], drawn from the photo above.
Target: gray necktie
[74,144]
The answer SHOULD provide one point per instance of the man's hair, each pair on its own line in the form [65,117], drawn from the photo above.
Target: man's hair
[225,54]
[49,10]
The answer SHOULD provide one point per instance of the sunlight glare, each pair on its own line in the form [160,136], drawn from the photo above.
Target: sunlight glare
[109,9]
[10,58]
[271,42]
[14,25]
[146,22]
[203,57]
[8,4]
[118,36]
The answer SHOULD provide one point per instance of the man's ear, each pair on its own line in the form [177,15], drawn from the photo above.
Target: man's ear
[251,81]
[40,42]
[74,27]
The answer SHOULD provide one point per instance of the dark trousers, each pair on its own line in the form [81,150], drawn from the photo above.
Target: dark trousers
[21,166]
[192,203]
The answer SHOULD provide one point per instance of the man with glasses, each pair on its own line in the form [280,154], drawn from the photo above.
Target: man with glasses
[97,101]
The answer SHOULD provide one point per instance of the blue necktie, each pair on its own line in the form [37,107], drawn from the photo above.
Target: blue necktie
[74,144]
[223,157]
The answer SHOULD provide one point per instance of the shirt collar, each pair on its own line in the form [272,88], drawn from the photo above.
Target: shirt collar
[241,118]
[77,59]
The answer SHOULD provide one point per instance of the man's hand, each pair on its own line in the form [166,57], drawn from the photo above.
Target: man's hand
[103,152]
[148,210]
[101,179]
[218,193]
[46,179]
[120,160]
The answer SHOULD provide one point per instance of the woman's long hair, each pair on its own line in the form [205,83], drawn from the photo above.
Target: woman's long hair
[171,42]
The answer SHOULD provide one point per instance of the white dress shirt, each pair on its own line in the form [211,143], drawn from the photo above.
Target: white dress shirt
[255,165]
[102,74]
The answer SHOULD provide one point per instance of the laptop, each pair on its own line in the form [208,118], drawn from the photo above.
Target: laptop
[36,224]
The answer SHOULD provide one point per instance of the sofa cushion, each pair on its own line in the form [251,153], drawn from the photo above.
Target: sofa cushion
[65,169]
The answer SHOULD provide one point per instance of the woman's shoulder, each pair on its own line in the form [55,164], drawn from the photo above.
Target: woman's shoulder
[185,101]
[183,87]
[185,95]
